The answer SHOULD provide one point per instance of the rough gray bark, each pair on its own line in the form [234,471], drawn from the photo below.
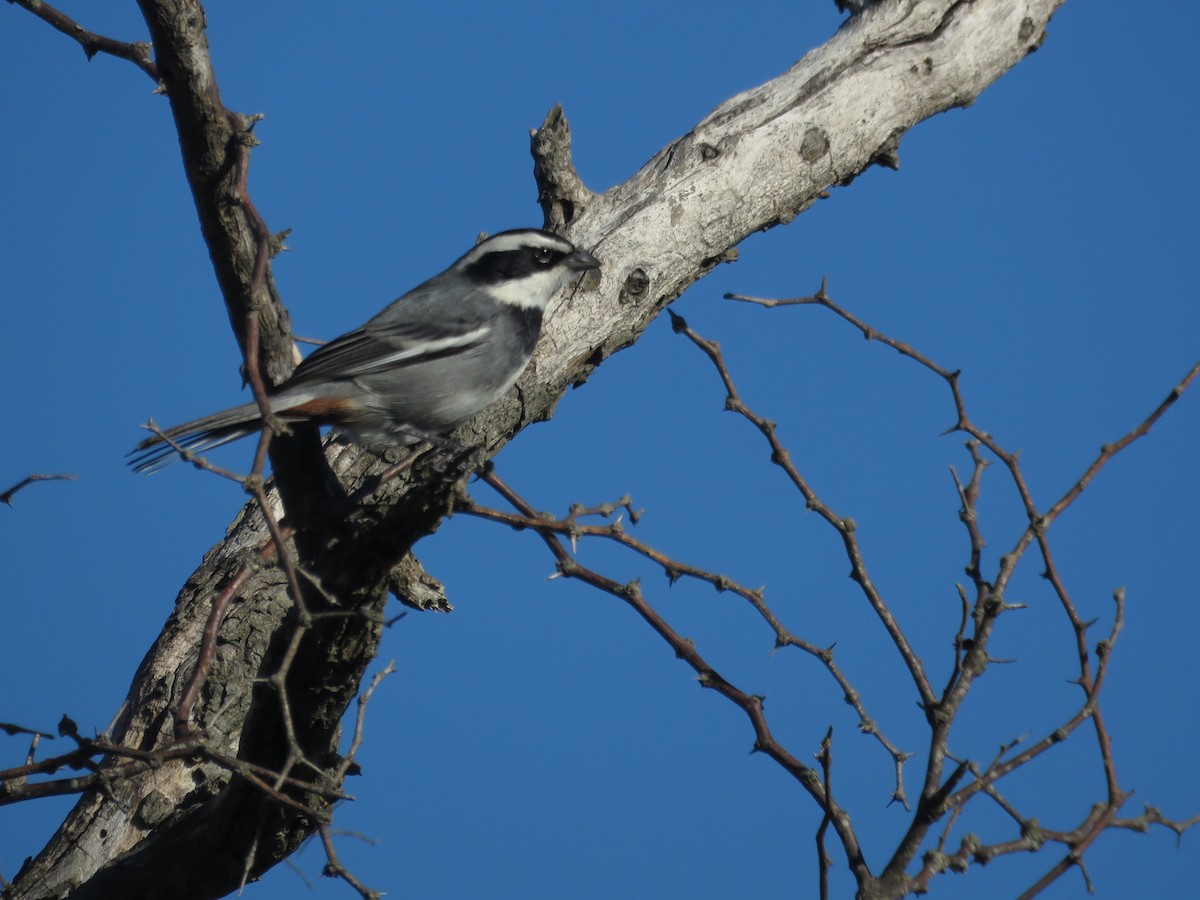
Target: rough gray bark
[186,829]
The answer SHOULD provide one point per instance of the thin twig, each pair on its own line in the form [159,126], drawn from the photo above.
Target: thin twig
[7,496]
[845,528]
[349,761]
[825,758]
[750,704]
[572,529]
[988,605]
[137,53]
[11,730]
[335,869]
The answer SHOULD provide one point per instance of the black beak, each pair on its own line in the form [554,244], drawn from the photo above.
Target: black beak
[581,261]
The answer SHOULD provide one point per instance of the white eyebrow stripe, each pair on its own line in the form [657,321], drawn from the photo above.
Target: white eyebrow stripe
[520,240]
[425,348]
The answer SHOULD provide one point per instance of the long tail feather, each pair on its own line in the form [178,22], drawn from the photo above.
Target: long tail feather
[197,436]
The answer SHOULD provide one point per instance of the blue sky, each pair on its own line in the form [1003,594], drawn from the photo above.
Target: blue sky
[541,741]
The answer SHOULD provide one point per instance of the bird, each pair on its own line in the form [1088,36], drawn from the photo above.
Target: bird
[425,364]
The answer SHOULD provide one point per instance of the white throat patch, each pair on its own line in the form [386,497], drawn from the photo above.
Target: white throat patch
[531,292]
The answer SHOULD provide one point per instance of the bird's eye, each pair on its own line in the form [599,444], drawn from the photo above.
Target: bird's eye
[543,255]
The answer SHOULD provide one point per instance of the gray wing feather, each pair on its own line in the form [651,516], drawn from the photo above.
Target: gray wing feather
[419,326]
